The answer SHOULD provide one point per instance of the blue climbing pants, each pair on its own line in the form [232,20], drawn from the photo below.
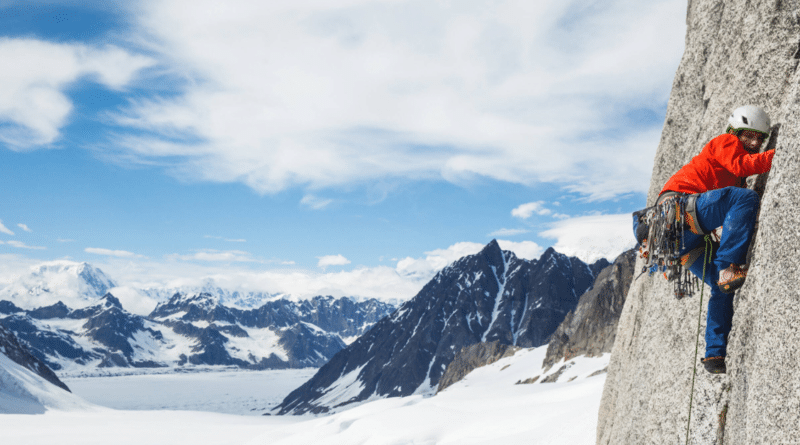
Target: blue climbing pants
[734,209]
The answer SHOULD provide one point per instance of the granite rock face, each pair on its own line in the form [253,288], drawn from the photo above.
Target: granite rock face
[592,327]
[737,53]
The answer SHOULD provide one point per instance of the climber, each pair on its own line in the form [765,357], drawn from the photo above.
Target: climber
[716,179]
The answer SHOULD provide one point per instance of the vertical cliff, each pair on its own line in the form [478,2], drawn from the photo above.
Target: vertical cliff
[737,52]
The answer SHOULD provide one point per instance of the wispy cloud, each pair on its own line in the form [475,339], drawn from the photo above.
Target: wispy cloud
[113,253]
[364,91]
[21,245]
[211,255]
[508,232]
[230,240]
[332,260]
[315,202]
[24,227]
[65,240]
[4,229]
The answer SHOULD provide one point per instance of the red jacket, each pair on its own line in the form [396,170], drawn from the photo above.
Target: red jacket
[722,163]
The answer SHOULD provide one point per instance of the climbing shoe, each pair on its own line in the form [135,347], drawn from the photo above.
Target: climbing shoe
[714,365]
[731,278]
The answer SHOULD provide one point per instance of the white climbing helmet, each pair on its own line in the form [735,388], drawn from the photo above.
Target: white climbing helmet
[750,117]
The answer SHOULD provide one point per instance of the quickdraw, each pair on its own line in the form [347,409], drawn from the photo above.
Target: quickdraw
[659,230]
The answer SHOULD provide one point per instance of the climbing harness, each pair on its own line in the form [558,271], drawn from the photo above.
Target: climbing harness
[706,260]
[659,230]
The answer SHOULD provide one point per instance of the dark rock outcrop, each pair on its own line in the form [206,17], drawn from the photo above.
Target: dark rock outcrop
[487,297]
[11,348]
[473,357]
[592,327]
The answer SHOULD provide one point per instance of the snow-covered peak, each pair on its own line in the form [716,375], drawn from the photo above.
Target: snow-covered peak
[76,284]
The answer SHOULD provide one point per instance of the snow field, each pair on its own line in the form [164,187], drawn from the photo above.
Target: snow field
[231,392]
[487,407]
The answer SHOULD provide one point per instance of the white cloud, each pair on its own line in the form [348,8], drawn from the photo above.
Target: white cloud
[109,252]
[593,237]
[508,232]
[382,282]
[4,229]
[230,240]
[332,260]
[523,249]
[525,211]
[425,268]
[24,227]
[385,283]
[319,94]
[315,202]
[237,256]
[32,100]
[435,260]
[134,301]
[21,245]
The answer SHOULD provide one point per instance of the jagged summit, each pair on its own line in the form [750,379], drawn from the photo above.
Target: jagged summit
[187,307]
[109,300]
[488,296]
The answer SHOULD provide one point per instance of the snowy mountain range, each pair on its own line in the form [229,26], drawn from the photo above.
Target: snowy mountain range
[191,330]
[489,296]
[75,284]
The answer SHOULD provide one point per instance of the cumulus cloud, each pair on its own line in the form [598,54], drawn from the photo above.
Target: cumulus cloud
[33,104]
[4,229]
[134,301]
[24,227]
[315,94]
[110,252]
[527,250]
[435,260]
[425,268]
[525,211]
[592,237]
[332,260]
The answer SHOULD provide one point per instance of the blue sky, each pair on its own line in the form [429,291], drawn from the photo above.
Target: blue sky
[348,147]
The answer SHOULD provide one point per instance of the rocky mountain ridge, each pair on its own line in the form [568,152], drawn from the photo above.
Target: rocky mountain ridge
[591,328]
[492,296]
[190,330]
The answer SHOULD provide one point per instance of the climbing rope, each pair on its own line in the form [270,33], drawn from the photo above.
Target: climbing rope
[706,259]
